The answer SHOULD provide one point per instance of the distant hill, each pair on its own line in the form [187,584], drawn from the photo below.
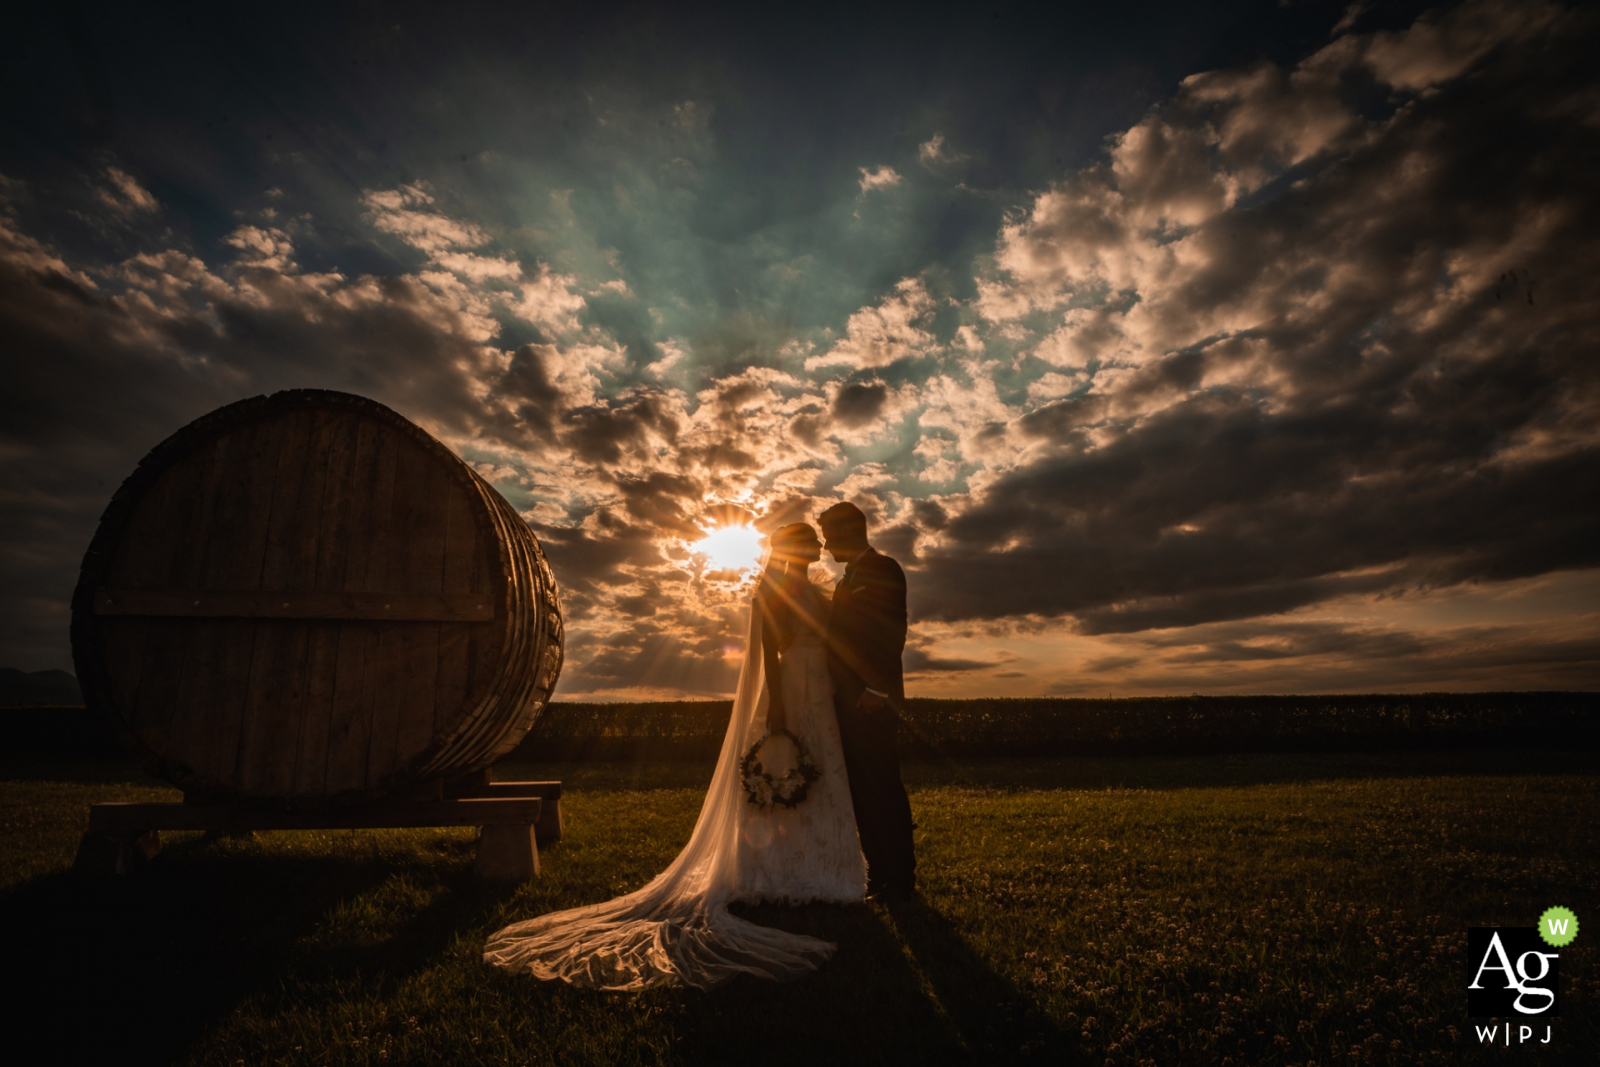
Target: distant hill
[23,688]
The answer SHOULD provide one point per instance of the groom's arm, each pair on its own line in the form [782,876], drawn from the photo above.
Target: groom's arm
[880,603]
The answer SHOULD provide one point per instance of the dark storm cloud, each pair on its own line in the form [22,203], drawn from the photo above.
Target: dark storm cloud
[598,553]
[659,499]
[1298,656]
[1372,369]
[644,657]
[1183,609]
[858,403]
[919,660]
[532,397]
[601,434]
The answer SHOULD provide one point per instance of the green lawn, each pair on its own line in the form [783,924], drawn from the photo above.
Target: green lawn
[1252,910]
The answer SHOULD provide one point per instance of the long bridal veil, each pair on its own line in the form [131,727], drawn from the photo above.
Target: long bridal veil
[677,929]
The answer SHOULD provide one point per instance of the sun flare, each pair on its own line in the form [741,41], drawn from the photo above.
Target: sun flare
[730,547]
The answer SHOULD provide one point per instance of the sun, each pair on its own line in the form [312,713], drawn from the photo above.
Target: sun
[730,547]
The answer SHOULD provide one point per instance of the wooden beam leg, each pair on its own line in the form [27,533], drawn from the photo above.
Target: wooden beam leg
[548,828]
[116,853]
[507,854]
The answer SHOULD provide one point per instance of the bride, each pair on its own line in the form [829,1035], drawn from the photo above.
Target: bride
[762,835]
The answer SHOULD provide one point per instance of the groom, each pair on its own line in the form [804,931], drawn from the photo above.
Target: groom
[866,634]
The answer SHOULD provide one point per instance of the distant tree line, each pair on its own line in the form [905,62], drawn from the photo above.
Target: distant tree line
[693,730]
[21,688]
[1132,726]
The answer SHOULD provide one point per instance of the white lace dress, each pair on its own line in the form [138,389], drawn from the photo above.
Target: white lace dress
[809,852]
[677,930]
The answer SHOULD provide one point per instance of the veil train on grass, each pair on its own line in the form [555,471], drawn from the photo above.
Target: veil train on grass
[677,930]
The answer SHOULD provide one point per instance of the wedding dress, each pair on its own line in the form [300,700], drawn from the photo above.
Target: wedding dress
[677,929]
[809,852]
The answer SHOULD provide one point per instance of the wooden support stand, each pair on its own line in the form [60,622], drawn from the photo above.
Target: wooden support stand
[513,820]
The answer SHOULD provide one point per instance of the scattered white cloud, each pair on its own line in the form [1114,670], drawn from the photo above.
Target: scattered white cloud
[936,151]
[263,247]
[547,298]
[405,213]
[123,194]
[1439,47]
[880,335]
[882,177]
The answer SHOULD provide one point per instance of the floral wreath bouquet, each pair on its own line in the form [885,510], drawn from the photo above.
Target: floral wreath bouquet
[788,786]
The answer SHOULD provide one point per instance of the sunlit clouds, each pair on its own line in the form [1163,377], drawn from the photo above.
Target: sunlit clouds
[1283,381]
[730,548]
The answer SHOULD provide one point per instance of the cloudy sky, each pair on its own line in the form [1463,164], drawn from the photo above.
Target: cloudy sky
[1238,347]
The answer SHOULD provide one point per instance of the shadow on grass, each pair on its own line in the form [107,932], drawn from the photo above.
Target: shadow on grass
[904,986]
[995,1020]
[138,969]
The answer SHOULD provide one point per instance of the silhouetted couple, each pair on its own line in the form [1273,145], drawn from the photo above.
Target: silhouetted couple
[806,803]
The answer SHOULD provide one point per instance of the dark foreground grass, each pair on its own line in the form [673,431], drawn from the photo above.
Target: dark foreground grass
[1252,910]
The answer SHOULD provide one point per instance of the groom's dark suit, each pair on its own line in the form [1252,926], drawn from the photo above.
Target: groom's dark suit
[866,634]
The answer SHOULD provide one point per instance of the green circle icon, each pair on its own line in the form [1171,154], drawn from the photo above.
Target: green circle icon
[1558,926]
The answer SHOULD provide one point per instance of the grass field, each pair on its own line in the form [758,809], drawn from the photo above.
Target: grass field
[1245,910]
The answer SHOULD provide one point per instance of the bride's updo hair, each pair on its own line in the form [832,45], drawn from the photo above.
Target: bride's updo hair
[785,539]
[787,574]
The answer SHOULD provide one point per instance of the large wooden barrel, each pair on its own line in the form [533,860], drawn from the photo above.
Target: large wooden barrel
[305,599]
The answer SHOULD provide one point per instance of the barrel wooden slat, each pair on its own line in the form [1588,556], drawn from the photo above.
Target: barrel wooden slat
[333,526]
[232,556]
[122,647]
[419,568]
[453,677]
[459,575]
[293,560]
[498,688]
[311,753]
[195,486]
[403,646]
[476,665]
[518,693]
[313,493]
[149,555]
[211,656]
[385,695]
[330,650]
[384,685]
[145,655]
[421,507]
[371,526]
[186,494]
[363,675]
[236,543]
[270,729]
[166,649]
[289,561]
[344,766]
[211,699]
